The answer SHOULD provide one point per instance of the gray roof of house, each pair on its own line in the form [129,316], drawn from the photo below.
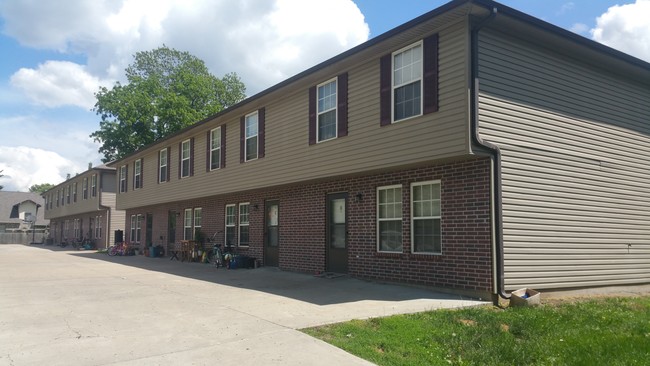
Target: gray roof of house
[9,199]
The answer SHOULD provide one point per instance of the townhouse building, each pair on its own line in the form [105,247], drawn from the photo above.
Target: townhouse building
[83,207]
[474,149]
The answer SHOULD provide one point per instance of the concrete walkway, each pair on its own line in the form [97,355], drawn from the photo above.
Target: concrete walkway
[62,307]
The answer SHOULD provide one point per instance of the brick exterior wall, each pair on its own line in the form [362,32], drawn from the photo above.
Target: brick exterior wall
[57,231]
[465,263]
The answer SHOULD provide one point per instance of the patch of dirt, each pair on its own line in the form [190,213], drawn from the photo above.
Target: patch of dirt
[468,322]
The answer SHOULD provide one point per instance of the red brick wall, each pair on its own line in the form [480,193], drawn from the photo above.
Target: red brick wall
[465,263]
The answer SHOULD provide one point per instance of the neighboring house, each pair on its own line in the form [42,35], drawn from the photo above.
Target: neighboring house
[474,149]
[83,207]
[20,212]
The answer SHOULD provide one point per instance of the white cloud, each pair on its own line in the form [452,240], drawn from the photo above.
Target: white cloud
[57,83]
[579,28]
[626,28]
[25,166]
[566,7]
[263,41]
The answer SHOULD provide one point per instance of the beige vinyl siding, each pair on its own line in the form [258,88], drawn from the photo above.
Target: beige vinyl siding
[575,146]
[116,218]
[289,157]
[74,208]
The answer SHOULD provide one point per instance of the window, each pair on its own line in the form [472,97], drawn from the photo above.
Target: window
[187,224]
[407,82]
[134,220]
[123,170]
[74,192]
[93,185]
[75,228]
[250,143]
[185,159]
[230,224]
[198,219]
[138,228]
[58,197]
[215,148]
[162,166]
[389,219]
[91,227]
[98,227]
[425,218]
[137,174]
[84,189]
[244,237]
[67,194]
[326,110]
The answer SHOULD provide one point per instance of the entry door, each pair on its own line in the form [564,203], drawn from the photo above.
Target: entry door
[148,234]
[337,237]
[272,234]
[171,227]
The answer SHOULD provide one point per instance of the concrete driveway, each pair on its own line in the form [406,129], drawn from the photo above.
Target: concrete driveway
[62,307]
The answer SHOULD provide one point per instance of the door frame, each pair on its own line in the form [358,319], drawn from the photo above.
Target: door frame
[265,251]
[328,217]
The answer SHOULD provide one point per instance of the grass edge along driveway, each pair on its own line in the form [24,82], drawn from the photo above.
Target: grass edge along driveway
[602,331]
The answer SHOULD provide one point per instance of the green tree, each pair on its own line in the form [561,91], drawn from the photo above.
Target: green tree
[167,90]
[41,188]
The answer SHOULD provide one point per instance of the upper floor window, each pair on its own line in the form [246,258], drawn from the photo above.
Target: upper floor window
[84,189]
[215,148]
[137,174]
[185,159]
[93,185]
[425,218]
[58,197]
[123,172]
[389,219]
[326,110]
[67,194]
[250,143]
[244,232]
[407,82]
[162,166]
[74,192]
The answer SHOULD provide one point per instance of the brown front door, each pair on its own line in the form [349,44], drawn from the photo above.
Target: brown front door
[272,234]
[337,233]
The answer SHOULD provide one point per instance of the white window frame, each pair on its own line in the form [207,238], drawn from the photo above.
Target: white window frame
[163,164]
[186,158]
[256,136]
[93,185]
[335,109]
[67,195]
[215,145]
[84,189]
[379,219]
[123,170]
[75,228]
[138,228]
[198,220]
[245,223]
[74,192]
[229,223]
[137,174]
[393,86]
[188,215]
[98,227]
[413,218]
[134,220]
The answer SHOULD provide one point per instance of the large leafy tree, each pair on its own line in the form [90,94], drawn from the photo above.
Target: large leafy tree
[166,91]
[41,188]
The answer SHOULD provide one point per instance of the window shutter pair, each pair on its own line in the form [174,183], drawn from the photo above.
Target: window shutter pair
[261,127]
[222,162]
[342,108]
[180,158]
[429,79]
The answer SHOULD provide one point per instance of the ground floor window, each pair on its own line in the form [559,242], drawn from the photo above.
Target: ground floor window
[187,224]
[389,219]
[136,228]
[244,232]
[98,227]
[230,224]
[425,218]
[198,221]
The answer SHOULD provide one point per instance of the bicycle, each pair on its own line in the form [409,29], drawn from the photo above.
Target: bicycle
[120,249]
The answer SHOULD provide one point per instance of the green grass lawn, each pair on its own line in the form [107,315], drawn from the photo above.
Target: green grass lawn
[613,331]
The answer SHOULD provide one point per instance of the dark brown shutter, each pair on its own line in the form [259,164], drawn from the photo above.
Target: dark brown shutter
[134,175]
[169,165]
[342,96]
[208,144]
[192,156]
[312,115]
[242,138]
[180,158]
[431,74]
[261,117]
[223,146]
[385,89]
[158,168]
[126,178]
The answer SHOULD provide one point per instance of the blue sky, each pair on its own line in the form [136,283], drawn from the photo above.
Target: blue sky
[56,54]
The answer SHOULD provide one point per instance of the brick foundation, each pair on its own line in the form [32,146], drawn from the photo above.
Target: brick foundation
[465,263]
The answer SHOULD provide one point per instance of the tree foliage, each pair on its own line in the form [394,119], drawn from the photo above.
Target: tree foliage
[167,90]
[41,188]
